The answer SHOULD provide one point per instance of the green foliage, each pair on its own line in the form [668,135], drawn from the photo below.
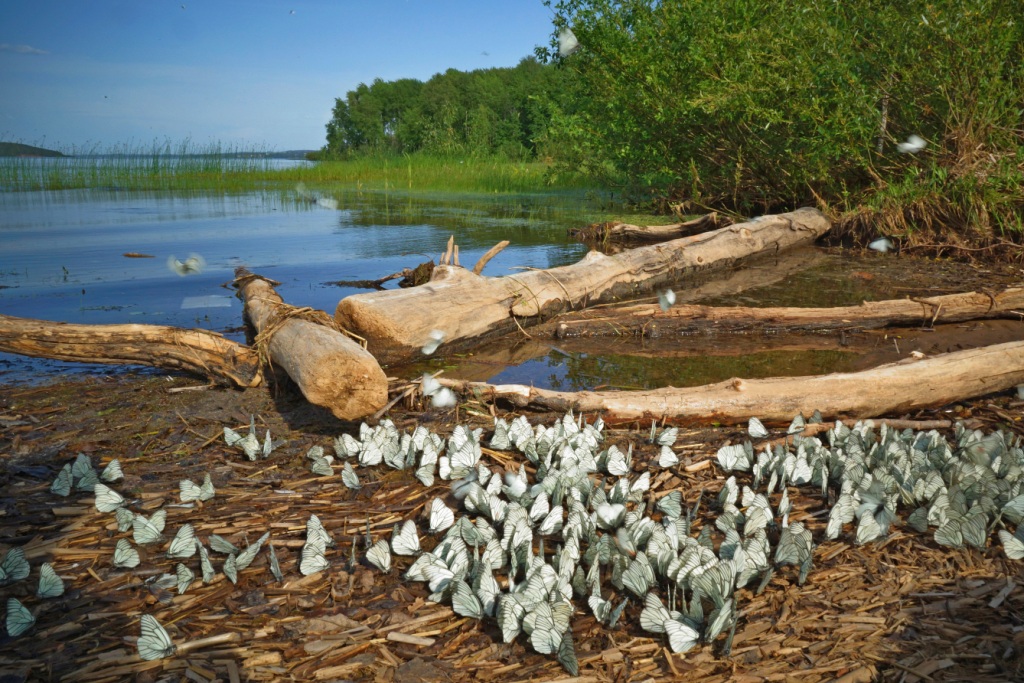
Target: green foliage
[486,112]
[753,105]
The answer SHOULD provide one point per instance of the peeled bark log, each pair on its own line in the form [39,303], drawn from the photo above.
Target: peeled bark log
[651,321]
[887,389]
[330,369]
[196,351]
[467,307]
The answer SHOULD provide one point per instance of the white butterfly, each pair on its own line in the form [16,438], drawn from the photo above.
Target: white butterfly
[667,457]
[245,558]
[465,602]
[83,473]
[221,545]
[315,528]
[112,472]
[183,544]
[193,265]
[756,429]
[14,566]
[275,566]
[154,643]
[107,499]
[50,584]
[230,569]
[913,145]
[322,466]
[189,491]
[149,530]
[125,556]
[19,619]
[681,637]
[379,555]
[434,341]
[125,518]
[185,577]
[567,43]
[204,563]
[406,541]
[567,651]
[62,484]
[349,477]
[441,516]
[313,559]
[882,244]
[444,398]
[666,298]
[1013,545]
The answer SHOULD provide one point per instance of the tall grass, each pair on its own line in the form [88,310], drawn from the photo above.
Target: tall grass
[188,167]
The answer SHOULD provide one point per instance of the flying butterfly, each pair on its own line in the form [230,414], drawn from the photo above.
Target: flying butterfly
[433,341]
[154,643]
[567,42]
[125,556]
[50,584]
[19,619]
[444,398]
[666,298]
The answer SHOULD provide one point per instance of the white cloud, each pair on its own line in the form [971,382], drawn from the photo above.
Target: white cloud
[23,49]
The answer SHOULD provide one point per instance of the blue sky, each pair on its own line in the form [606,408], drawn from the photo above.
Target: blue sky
[77,73]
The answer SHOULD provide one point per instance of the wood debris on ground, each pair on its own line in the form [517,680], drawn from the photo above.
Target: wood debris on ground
[904,609]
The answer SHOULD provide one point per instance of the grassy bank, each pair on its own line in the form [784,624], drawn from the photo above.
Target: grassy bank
[185,167]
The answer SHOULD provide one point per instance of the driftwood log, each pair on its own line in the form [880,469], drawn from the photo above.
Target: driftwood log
[329,368]
[174,348]
[615,231]
[467,307]
[887,389]
[651,321]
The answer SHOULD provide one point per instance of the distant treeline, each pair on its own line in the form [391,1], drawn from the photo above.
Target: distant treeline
[502,111]
[16,149]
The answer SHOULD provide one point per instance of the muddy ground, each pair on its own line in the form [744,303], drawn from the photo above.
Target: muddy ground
[904,609]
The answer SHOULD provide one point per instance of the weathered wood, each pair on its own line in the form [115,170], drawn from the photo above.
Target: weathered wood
[651,321]
[467,307]
[190,350]
[626,232]
[887,389]
[329,368]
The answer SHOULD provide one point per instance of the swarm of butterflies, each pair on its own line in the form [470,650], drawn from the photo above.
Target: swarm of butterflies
[605,525]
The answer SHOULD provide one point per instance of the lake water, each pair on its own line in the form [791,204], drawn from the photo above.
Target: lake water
[63,258]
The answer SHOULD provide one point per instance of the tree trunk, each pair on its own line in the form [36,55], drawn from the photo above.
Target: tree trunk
[651,321]
[466,307]
[887,389]
[615,231]
[196,351]
[330,369]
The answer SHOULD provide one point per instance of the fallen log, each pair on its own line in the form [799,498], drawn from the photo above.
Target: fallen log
[615,231]
[650,321]
[329,368]
[888,389]
[174,348]
[467,307]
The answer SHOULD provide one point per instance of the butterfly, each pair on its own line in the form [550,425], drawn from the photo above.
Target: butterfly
[756,429]
[465,602]
[112,472]
[567,651]
[62,484]
[125,556]
[434,341]
[275,567]
[245,558]
[125,518]
[185,577]
[83,473]
[379,555]
[148,530]
[204,563]
[107,499]
[313,559]
[183,544]
[14,566]
[1013,545]
[681,637]
[444,398]
[154,643]
[666,298]
[349,477]
[441,516]
[406,541]
[882,244]
[19,619]
[322,466]
[230,569]
[221,545]
[913,145]
[671,505]
[50,584]
[610,515]
[193,265]
[314,527]
[667,457]
[567,43]
[190,492]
